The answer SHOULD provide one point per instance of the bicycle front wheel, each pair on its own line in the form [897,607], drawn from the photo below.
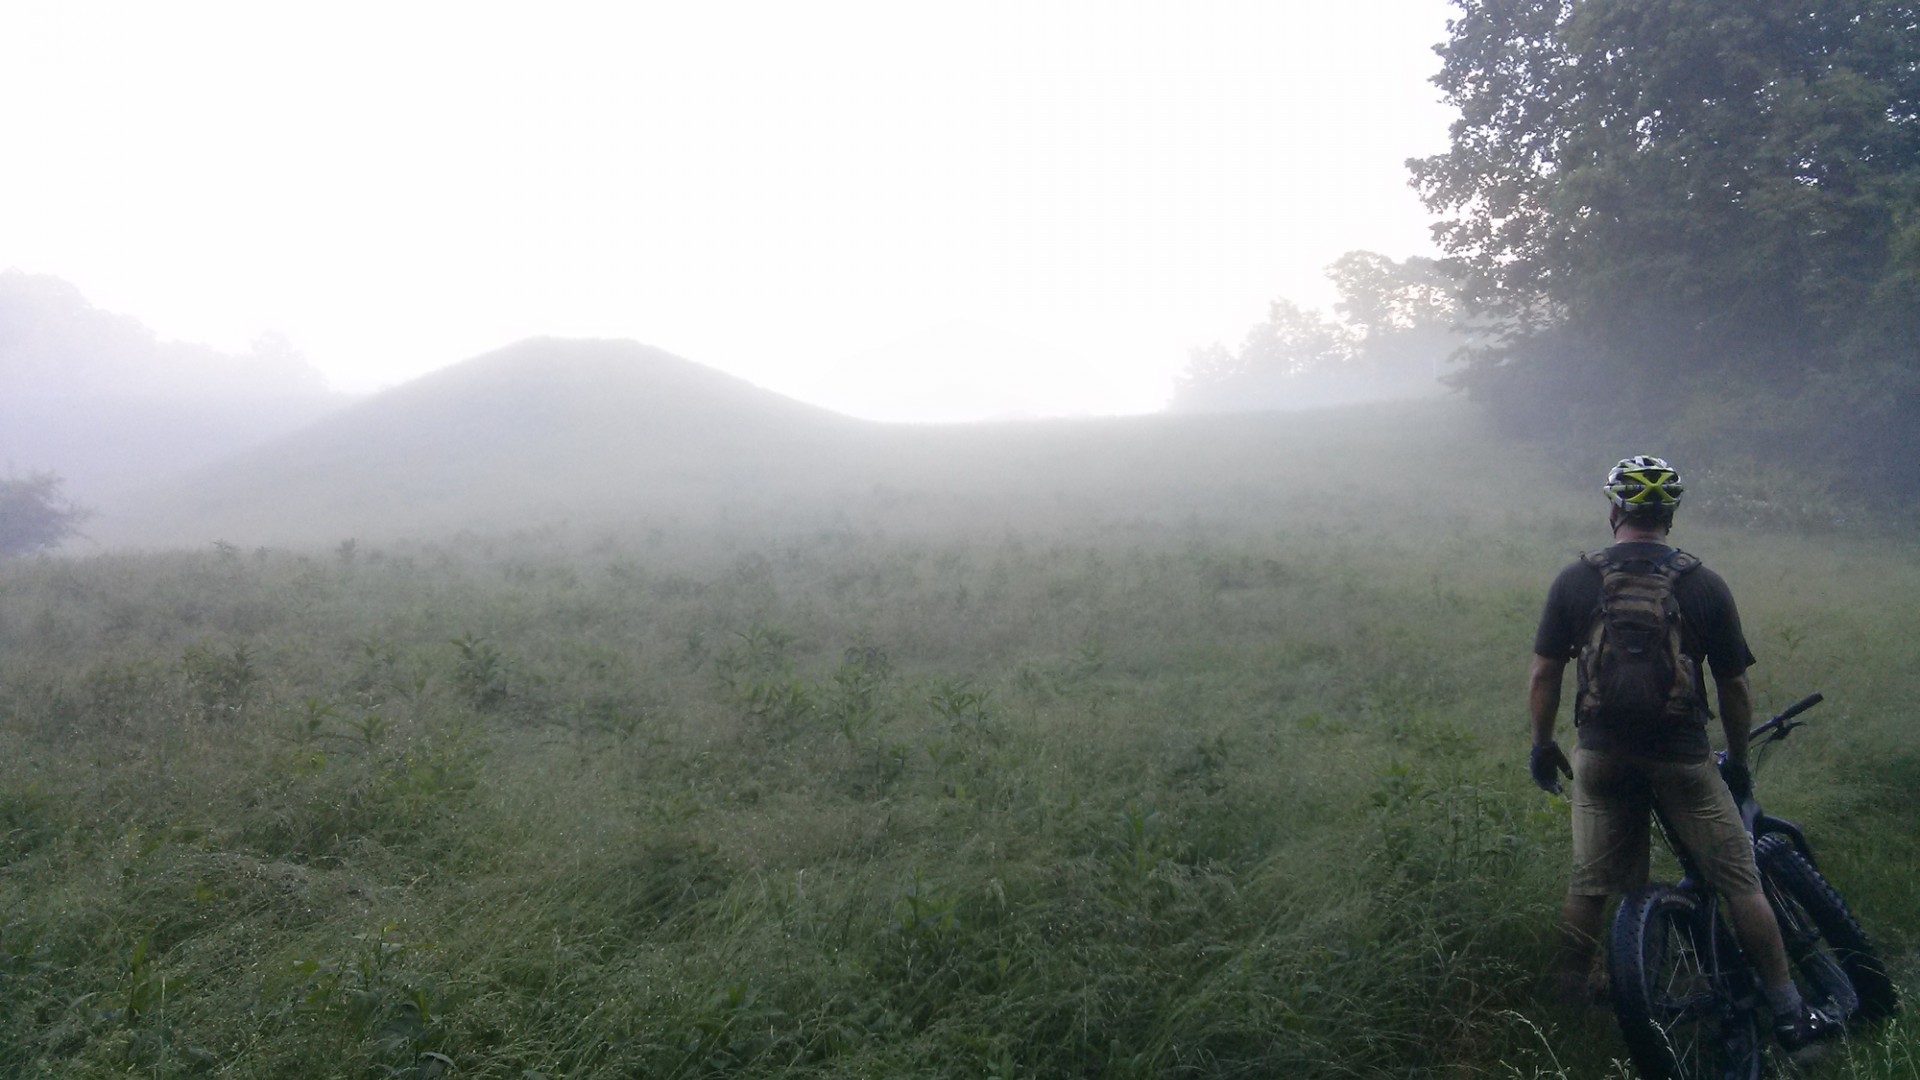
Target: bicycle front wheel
[1684,1003]
[1837,967]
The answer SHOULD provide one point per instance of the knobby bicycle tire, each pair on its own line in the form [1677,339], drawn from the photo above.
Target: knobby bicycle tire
[1682,1017]
[1821,933]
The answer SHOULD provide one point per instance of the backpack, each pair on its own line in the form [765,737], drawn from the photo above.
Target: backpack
[1633,672]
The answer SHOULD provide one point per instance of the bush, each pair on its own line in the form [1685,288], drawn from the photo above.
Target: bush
[34,514]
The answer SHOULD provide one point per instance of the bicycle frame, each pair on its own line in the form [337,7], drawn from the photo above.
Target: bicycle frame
[1728,996]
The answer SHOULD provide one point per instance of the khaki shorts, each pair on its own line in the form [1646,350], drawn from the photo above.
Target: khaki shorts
[1613,800]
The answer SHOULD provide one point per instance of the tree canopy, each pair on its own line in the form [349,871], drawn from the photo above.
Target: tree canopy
[1390,337]
[1661,206]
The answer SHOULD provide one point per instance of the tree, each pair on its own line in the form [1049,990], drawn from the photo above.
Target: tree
[1392,338]
[1652,200]
[1402,316]
[35,515]
[1379,297]
[1268,370]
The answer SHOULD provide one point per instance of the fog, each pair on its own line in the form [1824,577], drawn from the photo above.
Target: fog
[174,444]
[878,539]
[617,437]
[780,192]
[102,401]
[925,216]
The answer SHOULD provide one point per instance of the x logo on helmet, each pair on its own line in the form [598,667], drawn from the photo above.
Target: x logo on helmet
[1641,488]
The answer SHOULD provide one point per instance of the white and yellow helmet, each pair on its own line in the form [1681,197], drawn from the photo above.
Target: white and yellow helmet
[1643,482]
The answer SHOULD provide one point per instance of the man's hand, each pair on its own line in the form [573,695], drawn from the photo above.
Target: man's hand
[1547,764]
[1739,778]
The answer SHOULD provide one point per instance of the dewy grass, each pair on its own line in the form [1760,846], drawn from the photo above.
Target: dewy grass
[1148,764]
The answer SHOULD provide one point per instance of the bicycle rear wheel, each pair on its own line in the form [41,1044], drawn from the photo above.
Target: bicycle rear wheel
[1683,1013]
[1836,964]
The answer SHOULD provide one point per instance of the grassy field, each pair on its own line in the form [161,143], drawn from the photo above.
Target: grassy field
[1153,749]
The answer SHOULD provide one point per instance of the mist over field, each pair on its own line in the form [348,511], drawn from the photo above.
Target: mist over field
[581,711]
[583,435]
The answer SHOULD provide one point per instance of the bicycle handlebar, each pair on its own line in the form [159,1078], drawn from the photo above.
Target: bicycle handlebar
[1783,720]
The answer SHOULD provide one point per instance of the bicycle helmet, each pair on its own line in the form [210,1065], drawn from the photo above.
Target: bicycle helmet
[1643,482]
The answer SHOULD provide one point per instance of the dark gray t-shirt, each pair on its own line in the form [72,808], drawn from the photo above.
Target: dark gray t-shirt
[1710,631]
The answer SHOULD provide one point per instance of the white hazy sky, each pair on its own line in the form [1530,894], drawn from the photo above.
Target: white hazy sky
[900,209]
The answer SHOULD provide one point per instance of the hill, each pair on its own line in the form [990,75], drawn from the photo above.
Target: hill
[542,430]
[619,436]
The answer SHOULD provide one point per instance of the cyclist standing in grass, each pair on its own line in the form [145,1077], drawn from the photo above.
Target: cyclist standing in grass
[1640,618]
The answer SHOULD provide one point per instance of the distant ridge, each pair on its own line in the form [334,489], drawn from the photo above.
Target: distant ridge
[544,428]
[560,380]
[556,396]
[101,400]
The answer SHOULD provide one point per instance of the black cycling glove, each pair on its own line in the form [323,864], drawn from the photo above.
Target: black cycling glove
[1547,763]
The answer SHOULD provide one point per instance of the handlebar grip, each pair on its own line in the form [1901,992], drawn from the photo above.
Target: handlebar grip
[1779,723]
[1799,707]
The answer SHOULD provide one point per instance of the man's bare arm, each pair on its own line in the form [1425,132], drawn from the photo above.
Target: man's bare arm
[1546,763]
[1543,695]
[1736,713]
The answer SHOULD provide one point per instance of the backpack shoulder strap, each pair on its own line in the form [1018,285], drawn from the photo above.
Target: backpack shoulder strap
[1679,563]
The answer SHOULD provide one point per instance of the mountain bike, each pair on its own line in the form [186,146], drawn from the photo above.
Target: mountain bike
[1690,1005]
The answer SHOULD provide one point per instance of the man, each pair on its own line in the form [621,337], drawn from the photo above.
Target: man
[1638,750]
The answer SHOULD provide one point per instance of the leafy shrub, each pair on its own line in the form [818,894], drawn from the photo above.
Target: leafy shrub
[224,682]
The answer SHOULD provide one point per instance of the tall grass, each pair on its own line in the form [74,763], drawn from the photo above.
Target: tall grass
[1141,766]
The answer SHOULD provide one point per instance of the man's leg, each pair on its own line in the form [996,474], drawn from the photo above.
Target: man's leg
[1610,817]
[1580,919]
[1796,1026]
[1704,813]
[1759,934]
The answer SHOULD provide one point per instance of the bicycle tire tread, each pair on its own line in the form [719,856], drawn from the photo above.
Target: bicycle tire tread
[1779,860]
[1659,909]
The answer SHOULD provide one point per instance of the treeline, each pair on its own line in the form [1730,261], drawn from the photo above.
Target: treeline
[1391,335]
[1694,224]
[1690,226]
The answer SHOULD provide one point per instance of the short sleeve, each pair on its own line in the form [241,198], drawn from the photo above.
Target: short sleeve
[1716,622]
[1570,601]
